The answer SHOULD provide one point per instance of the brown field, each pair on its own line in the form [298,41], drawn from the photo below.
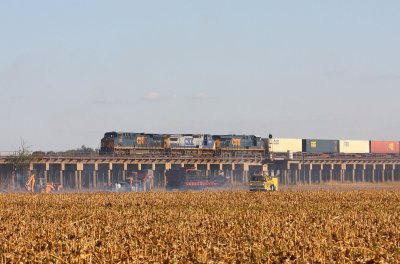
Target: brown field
[202,227]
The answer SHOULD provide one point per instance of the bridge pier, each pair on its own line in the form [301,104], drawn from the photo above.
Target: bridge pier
[392,173]
[245,175]
[61,174]
[92,173]
[363,172]
[331,168]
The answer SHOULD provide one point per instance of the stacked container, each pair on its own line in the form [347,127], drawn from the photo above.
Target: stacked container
[354,146]
[283,145]
[316,146]
[385,147]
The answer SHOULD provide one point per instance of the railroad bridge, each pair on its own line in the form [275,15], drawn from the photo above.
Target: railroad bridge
[96,172]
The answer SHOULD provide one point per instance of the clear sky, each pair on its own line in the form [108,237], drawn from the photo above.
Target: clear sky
[72,70]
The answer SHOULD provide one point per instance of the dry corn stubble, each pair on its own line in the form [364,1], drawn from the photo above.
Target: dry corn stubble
[316,226]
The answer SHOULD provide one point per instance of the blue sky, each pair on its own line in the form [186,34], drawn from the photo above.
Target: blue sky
[72,70]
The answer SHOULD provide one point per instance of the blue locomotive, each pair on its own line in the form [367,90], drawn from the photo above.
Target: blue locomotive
[132,143]
[127,143]
[120,143]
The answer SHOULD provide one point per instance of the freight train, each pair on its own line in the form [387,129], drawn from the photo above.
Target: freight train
[115,143]
[142,143]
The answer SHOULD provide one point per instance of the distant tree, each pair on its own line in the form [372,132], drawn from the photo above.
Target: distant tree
[83,150]
[19,161]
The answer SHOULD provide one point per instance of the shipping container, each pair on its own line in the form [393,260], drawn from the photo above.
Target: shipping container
[354,146]
[385,147]
[320,146]
[283,145]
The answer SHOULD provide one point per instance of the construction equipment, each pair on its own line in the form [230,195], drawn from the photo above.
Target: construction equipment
[192,179]
[263,181]
[30,184]
[43,186]
[140,181]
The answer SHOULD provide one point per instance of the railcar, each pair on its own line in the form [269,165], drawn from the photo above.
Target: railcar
[121,143]
[238,144]
[189,144]
[188,141]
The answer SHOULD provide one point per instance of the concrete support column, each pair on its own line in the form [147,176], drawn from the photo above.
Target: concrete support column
[46,175]
[76,184]
[125,171]
[153,166]
[321,170]
[109,172]
[353,173]
[109,177]
[383,173]
[62,178]
[309,174]
[282,177]
[168,166]
[363,173]
[94,175]
[303,174]
[79,179]
[392,173]
[296,174]
[46,171]
[342,172]
[208,169]
[331,167]
[94,179]
[79,168]
[373,174]
[286,175]
[13,180]
[62,169]
[231,176]
[245,178]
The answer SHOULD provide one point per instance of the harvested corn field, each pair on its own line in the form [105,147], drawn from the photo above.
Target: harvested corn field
[204,227]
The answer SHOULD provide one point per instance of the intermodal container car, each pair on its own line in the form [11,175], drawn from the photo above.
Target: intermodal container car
[385,147]
[283,145]
[316,146]
[354,146]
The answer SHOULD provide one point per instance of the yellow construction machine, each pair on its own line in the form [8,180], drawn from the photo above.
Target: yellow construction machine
[30,184]
[263,181]
[43,186]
